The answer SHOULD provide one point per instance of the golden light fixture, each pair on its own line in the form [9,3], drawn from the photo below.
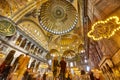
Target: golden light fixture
[2,55]
[44,65]
[75,68]
[49,74]
[104,29]
[96,71]
[77,72]
[58,16]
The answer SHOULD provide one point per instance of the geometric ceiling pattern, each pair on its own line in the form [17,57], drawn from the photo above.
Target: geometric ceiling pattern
[64,15]
[58,16]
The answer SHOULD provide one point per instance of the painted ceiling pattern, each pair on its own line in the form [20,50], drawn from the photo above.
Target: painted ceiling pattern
[58,16]
[10,7]
[34,32]
[70,41]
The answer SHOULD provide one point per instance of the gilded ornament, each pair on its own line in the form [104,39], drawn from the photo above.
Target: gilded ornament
[7,27]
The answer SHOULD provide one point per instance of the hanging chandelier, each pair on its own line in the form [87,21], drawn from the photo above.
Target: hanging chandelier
[58,16]
[104,29]
[44,65]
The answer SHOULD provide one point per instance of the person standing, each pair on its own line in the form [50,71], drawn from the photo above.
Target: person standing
[8,60]
[33,65]
[68,75]
[22,66]
[5,67]
[44,76]
[84,76]
[63,69]
[92,76]
[16,62]
[55,64]
[39,77]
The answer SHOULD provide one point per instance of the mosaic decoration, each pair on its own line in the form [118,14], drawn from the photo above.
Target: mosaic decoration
[80,48]
[69,54]
[4,8]
[58,16]
[54,52]
[104,29]
[31,28]
[9,7]
[7,27]
[67,40]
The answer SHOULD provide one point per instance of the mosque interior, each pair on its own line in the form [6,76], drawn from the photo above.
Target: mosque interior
[85,32]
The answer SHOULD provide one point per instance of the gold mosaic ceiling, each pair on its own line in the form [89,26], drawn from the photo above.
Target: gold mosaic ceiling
[66,44]
[9,7]
[17,9]
[33,30]
[69,54]
[66,40]
[58,16]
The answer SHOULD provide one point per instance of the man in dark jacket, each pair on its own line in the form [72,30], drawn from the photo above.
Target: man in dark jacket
[44,76]
[63,69]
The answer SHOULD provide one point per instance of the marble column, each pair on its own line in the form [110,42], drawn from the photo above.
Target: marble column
[21,41]
[37,50]
[15,37]
[26,44]
[30,47]
[34,49]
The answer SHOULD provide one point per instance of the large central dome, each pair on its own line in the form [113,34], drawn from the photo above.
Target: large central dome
[58,16]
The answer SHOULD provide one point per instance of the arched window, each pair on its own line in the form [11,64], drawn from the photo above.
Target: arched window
[34,31]
[28,46]
[23,43]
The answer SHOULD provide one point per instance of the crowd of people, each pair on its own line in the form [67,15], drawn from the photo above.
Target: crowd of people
[58,68]
[60,72]
[19,70]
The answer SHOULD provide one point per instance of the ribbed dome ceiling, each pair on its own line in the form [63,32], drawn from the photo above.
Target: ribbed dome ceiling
[58,16]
